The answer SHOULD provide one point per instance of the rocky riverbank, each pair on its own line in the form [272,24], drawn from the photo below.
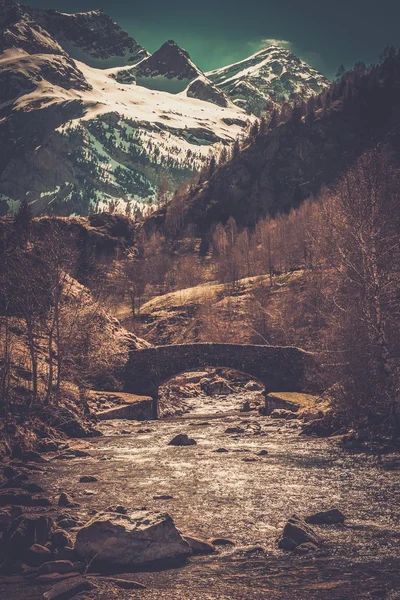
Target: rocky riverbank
[237,487]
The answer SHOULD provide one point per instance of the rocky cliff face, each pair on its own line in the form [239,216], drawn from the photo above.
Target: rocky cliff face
[92,37]
[169,61]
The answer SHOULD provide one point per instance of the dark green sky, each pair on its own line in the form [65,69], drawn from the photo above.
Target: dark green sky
[326,33]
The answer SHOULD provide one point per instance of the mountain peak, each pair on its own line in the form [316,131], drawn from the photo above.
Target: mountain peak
[268,78]
[169,62]
[170,56]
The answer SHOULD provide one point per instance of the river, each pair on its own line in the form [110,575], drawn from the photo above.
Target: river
[247,498]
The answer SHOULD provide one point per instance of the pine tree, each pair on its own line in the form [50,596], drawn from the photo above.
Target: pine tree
[223,157]
[212,166]
[340,73]
[274,119]
[23,222]
[255,129]
[236,149]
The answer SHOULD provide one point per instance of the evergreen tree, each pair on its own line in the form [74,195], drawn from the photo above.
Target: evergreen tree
[212,166]
[255,129]
[340,73]
[223,157]
[236,149]
[274,119]
[263,126]
[23,222]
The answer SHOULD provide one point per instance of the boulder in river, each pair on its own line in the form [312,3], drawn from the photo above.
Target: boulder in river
[215,387]
[199,546]
[182,439]
[133,539]
[327,517]
[297,532]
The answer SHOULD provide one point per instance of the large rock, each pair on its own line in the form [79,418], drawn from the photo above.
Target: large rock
[60,539]
[297,532]
[199,546]
[327,517]
[132,539]
[215,387]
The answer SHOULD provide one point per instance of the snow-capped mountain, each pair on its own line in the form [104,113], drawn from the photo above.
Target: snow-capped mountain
[91,37]
[170,69]
[268,78]
[89,118]
[171,65]
[75,138]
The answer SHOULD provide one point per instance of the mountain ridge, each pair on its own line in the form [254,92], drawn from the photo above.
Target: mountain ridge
[267,79]
[79,138]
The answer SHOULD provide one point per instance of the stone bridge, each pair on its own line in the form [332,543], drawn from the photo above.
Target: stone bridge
[279,368]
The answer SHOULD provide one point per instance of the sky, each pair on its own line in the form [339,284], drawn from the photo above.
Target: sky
[325,33]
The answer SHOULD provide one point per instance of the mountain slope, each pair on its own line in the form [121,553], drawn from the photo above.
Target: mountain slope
[268,78]
[76,139]
[170,69]
[292,161]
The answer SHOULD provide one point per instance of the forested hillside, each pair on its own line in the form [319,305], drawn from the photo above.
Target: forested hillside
[299,151]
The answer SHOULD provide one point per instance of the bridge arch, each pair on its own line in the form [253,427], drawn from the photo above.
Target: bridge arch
[279,368]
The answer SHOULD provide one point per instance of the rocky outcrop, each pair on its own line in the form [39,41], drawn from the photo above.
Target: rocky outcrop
[203,89]
[131,540]
[92,37]
[169,61]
